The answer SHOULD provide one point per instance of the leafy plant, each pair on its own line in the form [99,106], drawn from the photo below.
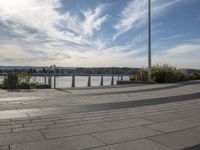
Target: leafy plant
[11,81]
[17,80]
[165,74]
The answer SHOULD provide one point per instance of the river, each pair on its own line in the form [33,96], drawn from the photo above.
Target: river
[80,81]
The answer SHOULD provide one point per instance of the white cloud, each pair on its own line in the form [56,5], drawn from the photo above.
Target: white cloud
[186,55]
[93,20]
[43,16]
[13,53]
[131,16]
[176,36]
[40,27]
[134,15]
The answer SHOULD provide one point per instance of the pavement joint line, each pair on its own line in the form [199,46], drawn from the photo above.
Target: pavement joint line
[194,147]
[153,129]
[175,130]
[72,135]
[165,133]
[161,143]
[126,141]
[42,134]
[97,139]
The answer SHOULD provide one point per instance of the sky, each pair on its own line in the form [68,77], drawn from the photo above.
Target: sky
[99,33]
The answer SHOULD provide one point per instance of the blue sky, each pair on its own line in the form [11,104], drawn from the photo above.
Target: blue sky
[94,33]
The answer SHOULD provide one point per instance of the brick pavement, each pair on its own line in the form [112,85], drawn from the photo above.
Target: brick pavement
[58,120]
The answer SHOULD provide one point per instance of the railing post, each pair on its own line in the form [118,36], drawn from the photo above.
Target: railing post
[49,81]
[73,80]
[121,78]
[54,81]
[54,76]
[101,84]
[45,79]
[89,81]
[112,80]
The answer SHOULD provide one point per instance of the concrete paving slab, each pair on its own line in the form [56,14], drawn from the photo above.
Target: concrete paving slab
[74,130]
[23,137]
[7,130]
[4,147]
[164,117]
[71,143]
[29,128]
[195,120]
[143,144]
[192,112]
[9,114]
[122,135]
[172,126]
[33,124]
[126,123]
[180,139]
[69,124]
[96,121]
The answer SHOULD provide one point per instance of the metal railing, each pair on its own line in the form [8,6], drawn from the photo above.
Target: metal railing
[52,73]
[50,76]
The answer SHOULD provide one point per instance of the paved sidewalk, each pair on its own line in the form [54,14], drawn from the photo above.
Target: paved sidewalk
[153,117]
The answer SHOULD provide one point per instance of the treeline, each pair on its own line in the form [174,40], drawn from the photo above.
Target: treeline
[29,71]
[103,70]
[76,71]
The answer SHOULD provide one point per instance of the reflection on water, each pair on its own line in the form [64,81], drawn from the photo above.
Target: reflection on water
[81,81]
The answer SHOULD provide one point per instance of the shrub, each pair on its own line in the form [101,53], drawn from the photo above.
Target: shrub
[165,74]
[194,76]
[11,81]
[25,85]
[1,86]
[17,80]
[181,75]
[141,75]
[23,77]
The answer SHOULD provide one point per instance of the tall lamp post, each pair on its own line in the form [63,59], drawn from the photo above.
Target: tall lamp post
[149,40]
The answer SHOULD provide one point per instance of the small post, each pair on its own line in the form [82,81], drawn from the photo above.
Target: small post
[89,81]
[45,79]
[101,84]
[73,80]
[54,81]
[49,81]
[112,80]
[54,76]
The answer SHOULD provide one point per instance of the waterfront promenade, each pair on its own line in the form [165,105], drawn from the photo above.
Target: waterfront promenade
[132,117]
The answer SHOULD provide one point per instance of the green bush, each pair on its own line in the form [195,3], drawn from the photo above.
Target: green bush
[26,85]
[17,81]
[165,74]
[23,85]
[11,81]
[194,76]
[181,75]
[1,86]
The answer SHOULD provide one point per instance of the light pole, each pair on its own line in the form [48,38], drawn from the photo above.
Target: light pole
[149,40]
